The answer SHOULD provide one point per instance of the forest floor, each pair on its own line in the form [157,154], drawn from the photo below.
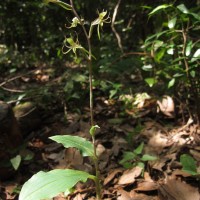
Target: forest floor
[155,134]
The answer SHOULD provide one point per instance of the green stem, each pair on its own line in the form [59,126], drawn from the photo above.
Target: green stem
[96,165]
[97,181]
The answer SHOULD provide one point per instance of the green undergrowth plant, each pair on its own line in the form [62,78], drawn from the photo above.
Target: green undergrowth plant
[189,165]
[45,185]
[136,158]
[174,52]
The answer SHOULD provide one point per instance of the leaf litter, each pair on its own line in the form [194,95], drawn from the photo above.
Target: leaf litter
[161,179]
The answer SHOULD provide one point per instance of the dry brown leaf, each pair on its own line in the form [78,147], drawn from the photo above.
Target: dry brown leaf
[123,195]
[147,177]
[119,143]
[139,196]
[166,106]
[85,128]
[156,143]
[146,186]
[9,191]
[111,176]
[78,197]
[53,147]
[72,128]
[179,172]
[73,157]
[129,176]
[100,150]
[56,157]
[195,154]
[177,190]
[126,128]
[59,198]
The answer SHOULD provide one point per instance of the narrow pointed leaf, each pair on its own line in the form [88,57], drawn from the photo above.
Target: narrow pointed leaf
[45,185]
[172,22]
[183,9]
[161,7]
[196,55]
[147,157]
[171,83]
[128,156]
[188,48]
[83,145]
[139,149]
[60,3]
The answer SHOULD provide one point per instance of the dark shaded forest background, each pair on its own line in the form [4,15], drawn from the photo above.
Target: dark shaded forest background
[32,35]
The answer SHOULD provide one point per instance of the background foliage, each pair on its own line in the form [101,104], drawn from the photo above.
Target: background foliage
[32,34]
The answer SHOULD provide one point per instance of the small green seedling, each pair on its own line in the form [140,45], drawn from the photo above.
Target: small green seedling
[45,185]
[24,155]
[189,164]
[136,158]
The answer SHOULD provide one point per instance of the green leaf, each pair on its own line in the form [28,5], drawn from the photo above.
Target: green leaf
[196,55]
[140,164]
[112,93]
[161,7]
[60,3]
[128,156]
[147,67]
[150,81]
[16,161]
[171,83]
[139,149]
[79,78]
[93,130]
[157,44]
[177,75]
[170,51]
[45,185]
[147,157]
[196,16]
[189,164]
[183,9]
[188,48]
[83,145]
[159,55]
[172,22]
[157,35]
[27,155]
[193,73]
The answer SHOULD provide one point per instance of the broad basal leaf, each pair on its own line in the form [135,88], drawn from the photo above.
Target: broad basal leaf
[84,146]
[45,185]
